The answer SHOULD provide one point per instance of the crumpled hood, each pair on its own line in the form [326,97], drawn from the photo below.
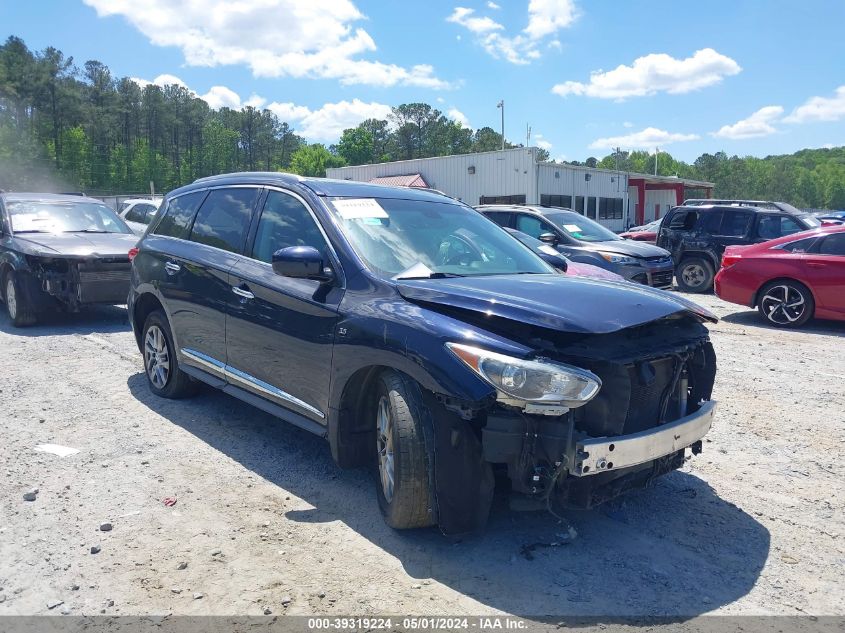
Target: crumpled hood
[557,302]
[77,244]
[626,247]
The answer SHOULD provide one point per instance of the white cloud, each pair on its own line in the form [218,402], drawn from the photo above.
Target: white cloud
[820,109]
[274,38]
[645,139]
[161,81]
[465,18]
[327,123]
[541,142]
[627,124]
[545,18]
[758,124]
[493,5]
[655,73]
[457,115]
[221,97]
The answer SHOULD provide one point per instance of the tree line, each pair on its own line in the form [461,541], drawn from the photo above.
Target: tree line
[71,128]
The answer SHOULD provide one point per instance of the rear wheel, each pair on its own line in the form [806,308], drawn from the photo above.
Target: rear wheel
[786,303]
[695,274]
[404,491]
[17,307]
[161,366]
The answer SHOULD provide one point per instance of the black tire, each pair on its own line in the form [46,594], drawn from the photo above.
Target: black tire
[695,274]
[171,382]
[19,309]
[410,503]
[786,303]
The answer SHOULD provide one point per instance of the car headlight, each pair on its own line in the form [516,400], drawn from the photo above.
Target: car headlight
[530,381]
[615,258]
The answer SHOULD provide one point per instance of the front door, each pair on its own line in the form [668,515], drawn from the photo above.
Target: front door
[280,330]
[826,272]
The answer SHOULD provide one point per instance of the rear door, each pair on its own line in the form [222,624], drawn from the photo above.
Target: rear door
[280,330]
[826,273]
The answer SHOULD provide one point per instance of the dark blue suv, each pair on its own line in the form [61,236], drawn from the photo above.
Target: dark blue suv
[421,339]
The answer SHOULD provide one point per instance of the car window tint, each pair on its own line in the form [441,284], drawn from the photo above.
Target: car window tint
[833,245]
[147,212]
[284,222]
[223,219]
[135,214]
[178,214]
[502,218]
[711,222]
[770,227]
[682,220]
[530,225]
[735,223]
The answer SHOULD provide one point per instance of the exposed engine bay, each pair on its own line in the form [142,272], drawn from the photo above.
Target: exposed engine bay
[74,281]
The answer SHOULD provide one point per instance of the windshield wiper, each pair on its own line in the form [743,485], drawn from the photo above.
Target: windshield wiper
[16,232]
[433,275]
[87,231]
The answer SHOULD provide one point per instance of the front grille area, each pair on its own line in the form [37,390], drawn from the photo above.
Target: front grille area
[659,259]
[104,281]
[662,279]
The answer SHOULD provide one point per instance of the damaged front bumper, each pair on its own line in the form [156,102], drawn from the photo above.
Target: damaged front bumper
[75,282]
[603,454]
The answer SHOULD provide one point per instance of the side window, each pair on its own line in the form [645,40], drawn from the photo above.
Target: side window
[833,245]
[135,214]
[798,246]
[148,211]
[223,219]
[679,219]
[502,218]
[712,222]
[735,223]
[285,222]
[591,207]
[178,215]
[530,225]
[579,204]
[788,226]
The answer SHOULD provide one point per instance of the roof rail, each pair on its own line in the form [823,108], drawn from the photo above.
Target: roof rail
[763,204]
[248,173]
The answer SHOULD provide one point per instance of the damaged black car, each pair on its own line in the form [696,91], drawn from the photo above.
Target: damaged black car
[60,252]
[423,341]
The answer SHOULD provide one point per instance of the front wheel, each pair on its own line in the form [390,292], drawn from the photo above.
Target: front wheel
[404,491]
[786,303]
[161,366]
[695,274]
[17,306]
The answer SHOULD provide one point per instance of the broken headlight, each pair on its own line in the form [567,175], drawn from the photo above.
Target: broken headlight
[530,381]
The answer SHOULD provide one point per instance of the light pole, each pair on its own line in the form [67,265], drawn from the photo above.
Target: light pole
[656,154]
[501,105]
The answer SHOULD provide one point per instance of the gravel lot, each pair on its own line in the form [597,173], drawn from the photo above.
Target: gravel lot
[264,519]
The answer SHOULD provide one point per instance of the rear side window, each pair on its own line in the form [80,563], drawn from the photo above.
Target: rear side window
[833,245]
[135,214]
[798,246]
[770,227]
[285,222]
[683,220]
[735,223]
[180,211]
[502,218]
[223,219]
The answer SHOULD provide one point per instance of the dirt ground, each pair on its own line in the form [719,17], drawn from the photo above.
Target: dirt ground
[265,520]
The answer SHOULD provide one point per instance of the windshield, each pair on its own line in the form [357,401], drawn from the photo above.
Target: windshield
[581,228]
[413,238]
[49,216]
[812,221]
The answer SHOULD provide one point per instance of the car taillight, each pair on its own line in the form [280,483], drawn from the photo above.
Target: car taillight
[730,259]
[132,252]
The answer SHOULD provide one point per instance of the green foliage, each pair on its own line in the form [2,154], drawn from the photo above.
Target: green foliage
[356,146]
[313,160]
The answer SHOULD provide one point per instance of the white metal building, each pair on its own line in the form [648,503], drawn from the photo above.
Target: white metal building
[617,199]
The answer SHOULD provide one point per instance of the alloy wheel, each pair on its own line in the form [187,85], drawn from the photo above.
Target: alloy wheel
[11,298]
[156,357]
[384,419]
[783,304]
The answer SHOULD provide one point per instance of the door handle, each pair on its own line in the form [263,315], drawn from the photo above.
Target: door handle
[172,268]
[243,292]
[816,264]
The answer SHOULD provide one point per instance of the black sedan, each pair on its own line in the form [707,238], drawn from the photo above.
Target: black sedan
[60,252]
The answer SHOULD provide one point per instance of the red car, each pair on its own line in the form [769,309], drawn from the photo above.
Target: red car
[790,279]
[644,233]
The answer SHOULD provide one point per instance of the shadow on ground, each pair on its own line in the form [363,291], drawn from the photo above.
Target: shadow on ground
[105,319]
[676,549]
[752,318]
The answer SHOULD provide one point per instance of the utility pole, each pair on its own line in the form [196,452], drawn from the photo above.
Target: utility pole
[656,154]
[527,135]
[501,105]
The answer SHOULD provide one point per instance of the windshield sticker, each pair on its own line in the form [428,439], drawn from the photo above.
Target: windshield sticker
[359,208]
[572,228]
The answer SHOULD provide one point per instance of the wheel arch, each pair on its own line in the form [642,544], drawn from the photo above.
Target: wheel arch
[144,305]
[710,257]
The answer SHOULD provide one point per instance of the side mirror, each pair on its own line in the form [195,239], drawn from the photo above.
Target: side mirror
[548,238]
[301,262]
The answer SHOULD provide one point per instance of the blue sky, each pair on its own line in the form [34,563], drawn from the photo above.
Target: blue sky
[750,77]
